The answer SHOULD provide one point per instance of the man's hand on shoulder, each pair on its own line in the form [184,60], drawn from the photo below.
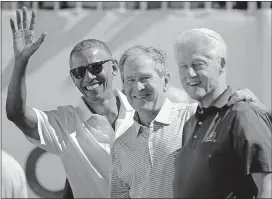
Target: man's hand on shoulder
[246,95]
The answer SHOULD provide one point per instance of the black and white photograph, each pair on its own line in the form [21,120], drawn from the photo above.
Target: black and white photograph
[136,99]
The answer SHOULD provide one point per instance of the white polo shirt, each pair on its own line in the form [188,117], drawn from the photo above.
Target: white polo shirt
[82,140]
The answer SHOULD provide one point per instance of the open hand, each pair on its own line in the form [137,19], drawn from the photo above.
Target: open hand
[24,44]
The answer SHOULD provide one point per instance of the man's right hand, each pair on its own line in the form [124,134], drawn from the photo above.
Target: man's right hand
[24,44]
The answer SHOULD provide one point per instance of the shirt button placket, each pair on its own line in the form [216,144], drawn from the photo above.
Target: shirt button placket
[194,140]
[150,143]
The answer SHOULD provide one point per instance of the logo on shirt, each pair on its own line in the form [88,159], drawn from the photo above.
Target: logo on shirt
[210,137]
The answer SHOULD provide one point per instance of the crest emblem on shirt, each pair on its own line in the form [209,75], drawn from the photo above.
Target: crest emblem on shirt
[210,137]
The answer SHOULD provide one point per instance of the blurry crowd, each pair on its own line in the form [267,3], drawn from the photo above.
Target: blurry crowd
[243,5]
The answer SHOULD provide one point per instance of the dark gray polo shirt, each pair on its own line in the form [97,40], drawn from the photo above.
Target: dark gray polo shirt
[225,146]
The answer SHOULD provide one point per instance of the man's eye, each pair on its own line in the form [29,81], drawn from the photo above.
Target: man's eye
[80,71]
[198,65]
[145,79]
[129,81]
[184,66]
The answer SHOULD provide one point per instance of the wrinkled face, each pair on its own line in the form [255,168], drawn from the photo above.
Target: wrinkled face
[199,70]
[143,87]
[94,87]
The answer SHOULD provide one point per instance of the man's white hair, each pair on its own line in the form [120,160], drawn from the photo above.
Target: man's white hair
[203,38]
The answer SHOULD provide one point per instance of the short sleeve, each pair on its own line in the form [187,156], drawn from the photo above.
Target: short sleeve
[252,140]
[52,129]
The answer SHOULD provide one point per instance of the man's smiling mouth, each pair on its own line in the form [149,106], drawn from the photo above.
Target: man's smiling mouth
[141,96]
[93,86]
[194,83]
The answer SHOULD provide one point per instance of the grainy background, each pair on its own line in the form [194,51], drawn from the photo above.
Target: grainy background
[246,32]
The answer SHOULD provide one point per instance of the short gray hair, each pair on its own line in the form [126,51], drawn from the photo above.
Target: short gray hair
[206,37]
[158,56]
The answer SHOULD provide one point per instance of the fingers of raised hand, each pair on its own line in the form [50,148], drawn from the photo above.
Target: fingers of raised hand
[12,25]
[19,19]
[25,18]
[22,20]
[33,20]
[37,44]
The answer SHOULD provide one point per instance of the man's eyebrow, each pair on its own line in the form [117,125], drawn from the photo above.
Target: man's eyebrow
[129,77]
[141,75]
[146,74]
[199,60]
[203,58]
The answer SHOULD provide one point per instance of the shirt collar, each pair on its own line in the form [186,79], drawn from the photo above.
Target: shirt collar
[125,106]
[85,113]
[164,116]
[218,103]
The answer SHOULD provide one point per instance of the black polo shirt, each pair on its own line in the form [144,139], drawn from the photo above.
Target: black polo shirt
[226,145]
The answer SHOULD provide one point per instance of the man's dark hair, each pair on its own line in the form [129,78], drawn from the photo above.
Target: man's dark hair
[90,43]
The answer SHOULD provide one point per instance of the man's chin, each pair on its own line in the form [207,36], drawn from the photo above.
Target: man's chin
[94,97]
[195,94]
[142,108]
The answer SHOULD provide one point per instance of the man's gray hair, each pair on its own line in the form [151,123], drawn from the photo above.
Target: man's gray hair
[158,56]
[204,37]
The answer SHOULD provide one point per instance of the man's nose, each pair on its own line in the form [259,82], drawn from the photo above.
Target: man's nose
[191,72]
[89,75]
[140,86]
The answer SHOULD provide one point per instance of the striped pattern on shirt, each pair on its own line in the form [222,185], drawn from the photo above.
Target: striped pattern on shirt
[142,159]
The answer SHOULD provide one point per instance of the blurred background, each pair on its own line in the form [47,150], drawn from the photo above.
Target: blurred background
[245,26]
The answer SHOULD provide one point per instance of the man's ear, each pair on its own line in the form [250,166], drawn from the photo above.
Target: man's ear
[166,82]
[114,68]
[222,65]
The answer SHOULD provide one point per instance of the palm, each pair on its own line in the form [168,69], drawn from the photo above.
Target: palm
[24,44]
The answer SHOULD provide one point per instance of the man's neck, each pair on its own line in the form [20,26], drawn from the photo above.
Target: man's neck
[212,96]
[108,107]
[146,117]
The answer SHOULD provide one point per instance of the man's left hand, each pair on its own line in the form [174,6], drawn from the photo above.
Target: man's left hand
[246,95]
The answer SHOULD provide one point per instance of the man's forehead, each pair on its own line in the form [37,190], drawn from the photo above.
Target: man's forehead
[90,52]
[197,42]
[88,56]
[141,62]
[194,51]
[145,68]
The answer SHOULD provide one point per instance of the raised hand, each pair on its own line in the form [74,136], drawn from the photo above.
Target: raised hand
[24,44]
